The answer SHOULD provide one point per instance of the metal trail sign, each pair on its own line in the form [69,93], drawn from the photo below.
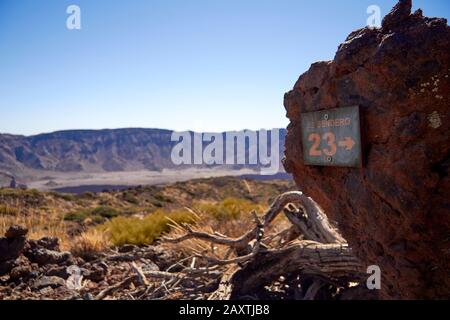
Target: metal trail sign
[332,137]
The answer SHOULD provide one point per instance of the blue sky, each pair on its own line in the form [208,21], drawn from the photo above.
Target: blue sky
[204,65]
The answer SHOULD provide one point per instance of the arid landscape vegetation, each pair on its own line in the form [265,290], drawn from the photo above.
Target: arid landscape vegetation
[118,227]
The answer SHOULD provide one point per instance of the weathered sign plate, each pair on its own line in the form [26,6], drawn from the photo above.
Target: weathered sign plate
[332,137]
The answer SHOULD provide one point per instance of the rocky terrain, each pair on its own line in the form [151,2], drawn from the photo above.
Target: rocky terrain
[394,211]
[37,269]
[53,245]
[288,252]
[222,238]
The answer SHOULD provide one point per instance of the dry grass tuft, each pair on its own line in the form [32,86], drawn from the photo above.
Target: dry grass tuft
[39,224]
[7,210]
[89,242]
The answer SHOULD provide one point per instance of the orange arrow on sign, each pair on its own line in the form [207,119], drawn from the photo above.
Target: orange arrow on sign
[347,143]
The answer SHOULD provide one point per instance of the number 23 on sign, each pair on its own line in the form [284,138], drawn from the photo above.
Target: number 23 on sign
[330,138]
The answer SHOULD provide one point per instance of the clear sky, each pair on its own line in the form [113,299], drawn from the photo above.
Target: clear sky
[204,65]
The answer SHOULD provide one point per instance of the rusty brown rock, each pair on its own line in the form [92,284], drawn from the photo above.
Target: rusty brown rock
[395,210]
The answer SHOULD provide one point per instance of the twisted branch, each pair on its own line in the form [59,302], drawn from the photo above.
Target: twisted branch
[321,253]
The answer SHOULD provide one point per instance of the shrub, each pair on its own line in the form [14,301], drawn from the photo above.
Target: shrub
[88,195]
[7,210]
[162,198]
[132,230]
[21,194]
[228,209]
[97,215]
[78,216]
[105,212]
[156,203]
[128,197]
[64,196]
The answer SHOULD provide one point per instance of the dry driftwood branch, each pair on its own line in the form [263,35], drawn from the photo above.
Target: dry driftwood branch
[225,289]
[319,251]
[308,217]
[238,244]
[330,261]
[140,275]
[119,286]
[214,238]
[240,259]
[313,289]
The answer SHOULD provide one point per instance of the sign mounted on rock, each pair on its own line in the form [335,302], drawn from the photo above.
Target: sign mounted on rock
[332,137]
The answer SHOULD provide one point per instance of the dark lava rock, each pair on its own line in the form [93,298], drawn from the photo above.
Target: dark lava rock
[398,14]
[50,243]
[395,210]
[6,266]
[21,272]
[44,282]
[16,232]
[127,248]
[44,256]
[162,258]
[58,271]
[12,245]
[96,272]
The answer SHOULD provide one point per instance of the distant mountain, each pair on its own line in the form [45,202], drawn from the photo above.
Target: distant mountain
[90,151]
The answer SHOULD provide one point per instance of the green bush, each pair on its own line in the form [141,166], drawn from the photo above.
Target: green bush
[131,230]
[128,197]
[156,203]
[105,212]
[162,198]
[88,195]
[98,215]
[228,209]
[78,216]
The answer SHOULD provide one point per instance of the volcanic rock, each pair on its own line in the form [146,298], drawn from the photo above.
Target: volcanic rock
[398,14]
[97,272]
[16,232]
[12,244]
[58,271]
[21,272]
[44,282]
[44,256]
[50,243]
[394,211]
[6,266]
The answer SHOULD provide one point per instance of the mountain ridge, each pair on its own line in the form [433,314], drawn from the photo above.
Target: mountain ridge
[91,150]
